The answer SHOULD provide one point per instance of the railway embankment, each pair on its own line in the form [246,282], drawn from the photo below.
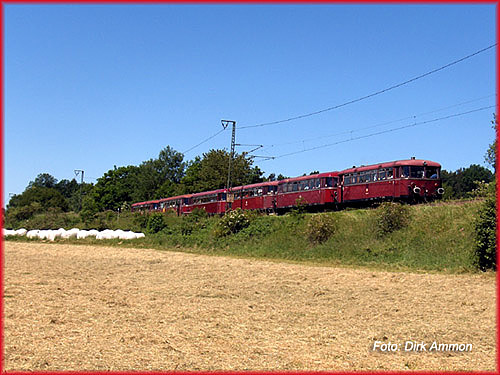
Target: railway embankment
[436,237]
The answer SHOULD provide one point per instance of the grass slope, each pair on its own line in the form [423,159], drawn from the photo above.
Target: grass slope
[439,237]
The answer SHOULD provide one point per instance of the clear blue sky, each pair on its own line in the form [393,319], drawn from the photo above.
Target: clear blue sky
[93,86]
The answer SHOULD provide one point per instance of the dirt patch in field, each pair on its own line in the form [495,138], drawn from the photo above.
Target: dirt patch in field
[71,307]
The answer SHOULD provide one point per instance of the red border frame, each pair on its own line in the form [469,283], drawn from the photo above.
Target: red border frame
[2,370]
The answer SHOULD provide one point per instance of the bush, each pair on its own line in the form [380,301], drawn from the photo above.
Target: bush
[196,220]
[155,223]
[320,228]
[141,219]
[232,222]
[485,228]
[391,217]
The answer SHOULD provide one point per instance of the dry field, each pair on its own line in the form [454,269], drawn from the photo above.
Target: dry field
[70,307]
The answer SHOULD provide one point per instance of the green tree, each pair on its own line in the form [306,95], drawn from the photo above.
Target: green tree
[460,183]
[44,180]
[44,198]
[491,153]
[210,172]
[115,187]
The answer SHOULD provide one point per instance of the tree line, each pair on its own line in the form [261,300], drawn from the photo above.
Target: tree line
[164,176]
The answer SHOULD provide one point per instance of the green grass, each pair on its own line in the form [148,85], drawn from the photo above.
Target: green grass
[438,238]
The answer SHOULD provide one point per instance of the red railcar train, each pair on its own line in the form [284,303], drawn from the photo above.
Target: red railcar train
[405,180]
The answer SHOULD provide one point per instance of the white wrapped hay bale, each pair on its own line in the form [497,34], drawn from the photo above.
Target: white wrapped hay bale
[8,232]
[42,234]
[51,235]
[72,233]
[125,235]
[93,233]
[140,235]
[32,233]
[106,234]
[82,234]
[21,232]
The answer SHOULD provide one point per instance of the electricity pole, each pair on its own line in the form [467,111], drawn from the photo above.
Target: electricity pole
[77,172]
[225,124]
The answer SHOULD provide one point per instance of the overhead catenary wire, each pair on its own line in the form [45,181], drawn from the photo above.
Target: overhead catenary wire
[383,132]
[372,94]
[204,141]
[351,131]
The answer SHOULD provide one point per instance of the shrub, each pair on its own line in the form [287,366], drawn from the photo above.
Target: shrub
[391,217]
[196,220]
[198,214]
[320,228]
[485,238]
[300,207]
[141,219]
[155,223]
[232,222]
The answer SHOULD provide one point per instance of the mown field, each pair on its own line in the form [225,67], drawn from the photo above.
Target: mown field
[439,237]
[95,307]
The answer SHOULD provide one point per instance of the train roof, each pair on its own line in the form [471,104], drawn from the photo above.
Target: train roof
[396,163]
[176,197]
[146,202]
[251,186]
[208,193]
[308,177]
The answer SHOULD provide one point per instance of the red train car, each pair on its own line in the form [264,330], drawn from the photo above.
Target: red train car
[313,190]
[413,179]
[409,180]
[146,206]
[213,202]
[174,204]
[260,196]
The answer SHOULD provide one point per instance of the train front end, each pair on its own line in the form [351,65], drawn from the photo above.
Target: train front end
[420,180]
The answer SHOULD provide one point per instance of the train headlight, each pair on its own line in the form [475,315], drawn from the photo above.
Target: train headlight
[416,190]
[440,191]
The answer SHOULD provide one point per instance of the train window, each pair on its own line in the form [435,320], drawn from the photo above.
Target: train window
[294,186]
[431,172]
[405,171]
[416,172]
[329,182]
[381,174]
[316,183]
[388,173]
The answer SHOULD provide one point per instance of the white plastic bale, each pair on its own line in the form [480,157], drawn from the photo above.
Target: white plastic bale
[51,235]
[82,234]
[42,234]
[140,235]
[8,232]
[21,232]
[32,233]
[93,233]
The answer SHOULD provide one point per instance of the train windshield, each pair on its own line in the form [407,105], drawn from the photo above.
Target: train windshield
[416,172]
[431,172]
[419,172]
